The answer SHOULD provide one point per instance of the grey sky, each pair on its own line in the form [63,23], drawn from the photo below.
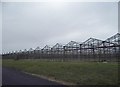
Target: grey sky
[28,25]
[0,28]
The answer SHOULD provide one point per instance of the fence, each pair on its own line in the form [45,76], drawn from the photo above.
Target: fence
[90,50]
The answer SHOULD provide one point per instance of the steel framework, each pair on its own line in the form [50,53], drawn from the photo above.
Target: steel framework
[90,50]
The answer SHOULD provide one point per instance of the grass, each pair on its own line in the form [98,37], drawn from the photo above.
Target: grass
[83,73]
[0,62]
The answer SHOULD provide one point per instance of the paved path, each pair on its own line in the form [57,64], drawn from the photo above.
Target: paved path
[0,75]
[15,77]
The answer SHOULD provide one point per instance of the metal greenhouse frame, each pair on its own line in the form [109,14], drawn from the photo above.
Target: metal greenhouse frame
[90,50]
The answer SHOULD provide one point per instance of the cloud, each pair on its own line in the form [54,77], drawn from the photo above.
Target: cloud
[27,25]
[0,28]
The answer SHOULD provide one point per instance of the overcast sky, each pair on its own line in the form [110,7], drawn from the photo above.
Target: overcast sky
[0,28]
[28,25]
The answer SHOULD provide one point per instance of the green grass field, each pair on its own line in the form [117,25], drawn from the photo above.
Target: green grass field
[83,73]
[0,62]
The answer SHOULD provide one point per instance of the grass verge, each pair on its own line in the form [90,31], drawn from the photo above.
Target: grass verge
[83,73]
